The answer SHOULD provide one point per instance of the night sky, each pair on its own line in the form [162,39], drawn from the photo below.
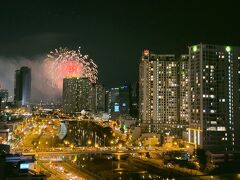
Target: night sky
[114,33]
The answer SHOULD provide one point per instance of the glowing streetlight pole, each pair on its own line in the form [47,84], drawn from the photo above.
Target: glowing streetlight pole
[104,139]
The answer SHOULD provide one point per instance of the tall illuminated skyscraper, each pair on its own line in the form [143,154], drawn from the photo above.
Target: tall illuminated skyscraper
[22,90]
[184,91]
[158,93]
[214,96]
[77,94]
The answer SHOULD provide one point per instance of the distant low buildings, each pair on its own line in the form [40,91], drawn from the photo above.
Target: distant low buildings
[151,141]
[4,133]
[3,98]
[15,166]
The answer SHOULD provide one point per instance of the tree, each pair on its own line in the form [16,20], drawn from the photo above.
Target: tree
[201,157]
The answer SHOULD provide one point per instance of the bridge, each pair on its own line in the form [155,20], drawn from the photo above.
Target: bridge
[93,150]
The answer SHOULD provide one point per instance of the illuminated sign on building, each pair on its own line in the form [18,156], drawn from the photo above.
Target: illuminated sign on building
[63,131]
[146,52]
[24,166]
[116,108]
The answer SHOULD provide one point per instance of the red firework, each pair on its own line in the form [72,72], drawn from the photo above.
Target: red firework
[64,63]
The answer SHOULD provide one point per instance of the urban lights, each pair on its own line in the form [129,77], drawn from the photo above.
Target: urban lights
[228,48]
[89,142]
[104,138]
[194,48]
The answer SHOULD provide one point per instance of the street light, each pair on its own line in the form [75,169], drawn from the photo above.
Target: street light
[89,142]
[104,139]
[52,140]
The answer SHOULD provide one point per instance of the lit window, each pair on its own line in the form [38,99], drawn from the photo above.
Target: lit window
[212,96]
[211,129]
[213,122]
[212,111]
[221,128]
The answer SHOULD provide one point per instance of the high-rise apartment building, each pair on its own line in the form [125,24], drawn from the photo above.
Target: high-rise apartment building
[158,93]
[77,94]
[214,77]
[22,90]
[184,91]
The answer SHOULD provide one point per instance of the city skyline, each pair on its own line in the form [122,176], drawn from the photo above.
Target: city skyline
[48,81]
[119,90]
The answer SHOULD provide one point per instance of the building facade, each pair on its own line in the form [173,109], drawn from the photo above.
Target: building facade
[134,100]
[114,107]
[22,89]
[77,94]
[184,91]
[98,98]
[214,77]
[3,98]
[120,101]
[108,101]
[158,93]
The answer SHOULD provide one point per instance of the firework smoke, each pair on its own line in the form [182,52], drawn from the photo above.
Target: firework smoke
[68,63]
[48,73]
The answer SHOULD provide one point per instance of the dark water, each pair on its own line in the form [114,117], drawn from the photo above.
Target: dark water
[106,166]
[215,177]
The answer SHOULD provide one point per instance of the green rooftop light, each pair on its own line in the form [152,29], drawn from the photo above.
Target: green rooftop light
[194,48]
[228,48]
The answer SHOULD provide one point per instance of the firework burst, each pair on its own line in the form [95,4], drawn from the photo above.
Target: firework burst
[63,63]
